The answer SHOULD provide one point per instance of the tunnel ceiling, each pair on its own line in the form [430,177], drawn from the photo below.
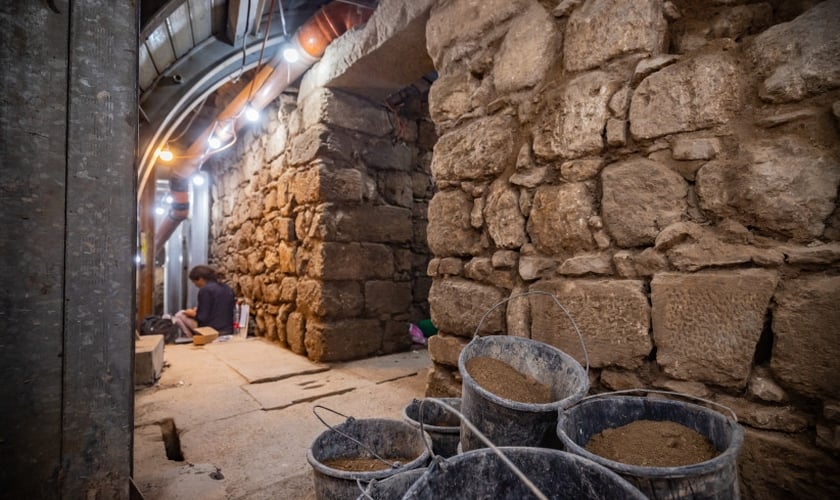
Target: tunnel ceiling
[189,49]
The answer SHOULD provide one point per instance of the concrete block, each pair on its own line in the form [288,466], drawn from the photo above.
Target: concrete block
[148,359]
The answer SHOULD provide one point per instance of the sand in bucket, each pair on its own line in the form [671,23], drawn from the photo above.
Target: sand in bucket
[363,450]
[714,478]
[504,420]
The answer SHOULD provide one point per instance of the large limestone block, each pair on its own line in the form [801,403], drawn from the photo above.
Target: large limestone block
[330,299]
[387,297]
[800,58]
[527,51]
[336,108]
[784,186]
[449,230]
[779,466]
[573,127]
[460,27]
[559,219]
[387,155]
[457,305]
[613,316]
[379,224]
[504,219]
[600,30]
[342,340]
[806,336]
[690,95]
[706,325]
[351,261]
[445,349]
[640,198]
[451,95]
[481,150]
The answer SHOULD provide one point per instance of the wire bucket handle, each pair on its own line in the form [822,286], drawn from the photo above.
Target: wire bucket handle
[557,302]
[437,459]
[393,465]
[734,417]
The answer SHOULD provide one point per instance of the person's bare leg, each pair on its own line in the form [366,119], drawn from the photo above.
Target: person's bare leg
[185,323]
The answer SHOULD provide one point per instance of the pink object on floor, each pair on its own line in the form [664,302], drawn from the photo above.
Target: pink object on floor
[416,334]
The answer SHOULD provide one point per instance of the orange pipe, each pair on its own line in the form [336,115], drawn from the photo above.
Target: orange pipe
[313,37]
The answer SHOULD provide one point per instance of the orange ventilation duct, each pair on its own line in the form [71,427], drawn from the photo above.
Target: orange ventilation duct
[311,39]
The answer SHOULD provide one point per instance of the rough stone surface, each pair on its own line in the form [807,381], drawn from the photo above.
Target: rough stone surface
[762,386]
[527,51]
[692,94]
[505,222]
[344,110]
[479,150]
[587,264]
[615,333]
[532,267]
[450,231]
[559,219]
[442,383]
[706,325]
[592,37]
[342,340]
[445,349]
[618,380]
[574,127]
[785,186]
[458,304]
[387,297]
[699,148]
[806,345]
[640,198]
[774,465]
[799,58]
[334,299]
[454,28]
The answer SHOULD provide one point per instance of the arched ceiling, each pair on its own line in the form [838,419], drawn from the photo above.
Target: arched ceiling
[190,48]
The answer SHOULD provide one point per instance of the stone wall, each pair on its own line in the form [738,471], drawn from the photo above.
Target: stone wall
[318,222]
[669,171]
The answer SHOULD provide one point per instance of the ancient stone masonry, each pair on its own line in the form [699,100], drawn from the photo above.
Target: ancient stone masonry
[319,223]
[669,170]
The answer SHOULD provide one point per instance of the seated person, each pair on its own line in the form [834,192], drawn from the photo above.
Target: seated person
[215,304]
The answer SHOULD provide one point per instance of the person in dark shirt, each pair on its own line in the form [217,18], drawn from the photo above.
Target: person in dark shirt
[215,304]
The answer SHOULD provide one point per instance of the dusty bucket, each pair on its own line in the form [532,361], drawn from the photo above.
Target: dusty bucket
[392,440]
[443,426]
[392,488]
[483,474]
[512,423]
[715,478]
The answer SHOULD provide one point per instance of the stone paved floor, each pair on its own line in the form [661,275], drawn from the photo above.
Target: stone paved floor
[243,410]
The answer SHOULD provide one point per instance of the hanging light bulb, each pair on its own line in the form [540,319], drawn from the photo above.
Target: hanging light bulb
[251,114]
[165,154]
[160,210]
[168,199]
[214,142]
[198,180]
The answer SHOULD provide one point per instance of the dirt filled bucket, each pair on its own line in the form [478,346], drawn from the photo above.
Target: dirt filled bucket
[443,426]
[504,421]
[710,479]
[352,454]
[555,474]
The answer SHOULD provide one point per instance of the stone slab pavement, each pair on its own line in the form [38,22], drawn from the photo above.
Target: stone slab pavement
[243,410]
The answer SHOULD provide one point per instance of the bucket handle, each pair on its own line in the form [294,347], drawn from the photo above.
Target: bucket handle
[393,465]
[539,292]
[522,477]
[673,393]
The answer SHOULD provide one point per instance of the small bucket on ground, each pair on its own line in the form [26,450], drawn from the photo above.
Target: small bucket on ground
[392,488]
[715,478]
[483,474]
[382,439]
[443,426]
